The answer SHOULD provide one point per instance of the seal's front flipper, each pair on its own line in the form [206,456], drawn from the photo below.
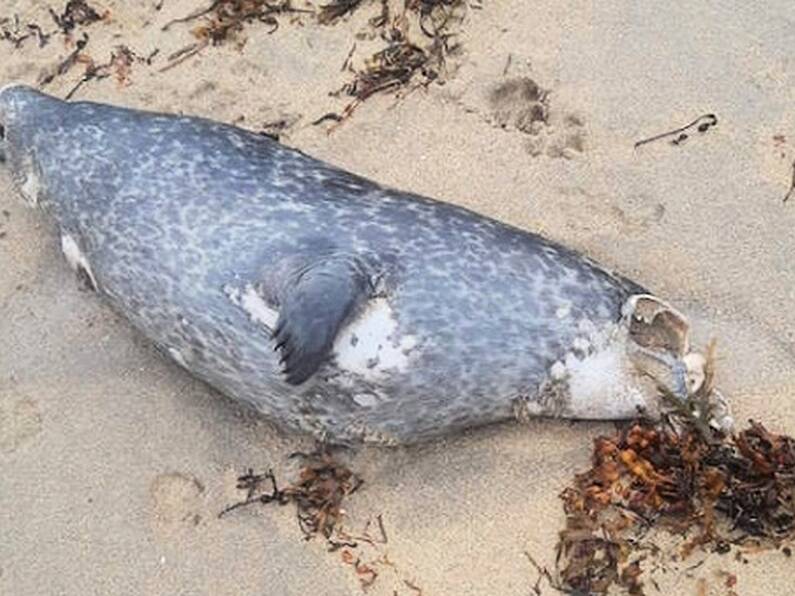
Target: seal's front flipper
[315,300]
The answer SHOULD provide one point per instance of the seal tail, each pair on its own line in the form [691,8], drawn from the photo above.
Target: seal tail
[23,112]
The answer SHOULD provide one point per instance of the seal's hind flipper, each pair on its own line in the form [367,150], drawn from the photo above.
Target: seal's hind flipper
[315,301]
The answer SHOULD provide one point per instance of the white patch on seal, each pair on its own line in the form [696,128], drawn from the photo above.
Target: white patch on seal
[365,400]
[369,347]
[257,308]
[233,294]
[594,380]
[603,384]
[251,302]
[558,371]
[75,257]
[581,344]
[563,311]
[177,356]
[31,188]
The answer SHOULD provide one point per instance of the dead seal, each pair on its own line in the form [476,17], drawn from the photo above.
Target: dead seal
[330,303]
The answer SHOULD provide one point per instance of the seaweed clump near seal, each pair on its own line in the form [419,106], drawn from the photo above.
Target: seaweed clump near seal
[70,24]
[225,20]
[76,13]
[418,37]
[407,59]
[319,493]
[322,486]
[710,491]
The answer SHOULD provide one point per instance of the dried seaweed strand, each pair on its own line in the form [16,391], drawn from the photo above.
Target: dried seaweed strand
[192,16]
[223,20]
[184,53]
[332,12]
[791,190]
[74,14]
[67,63]
[702,124]
[119,65]
[323,485]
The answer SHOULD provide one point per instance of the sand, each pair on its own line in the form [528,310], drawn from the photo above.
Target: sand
[114,463]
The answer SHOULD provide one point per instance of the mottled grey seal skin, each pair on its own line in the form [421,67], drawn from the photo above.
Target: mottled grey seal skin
[330,303]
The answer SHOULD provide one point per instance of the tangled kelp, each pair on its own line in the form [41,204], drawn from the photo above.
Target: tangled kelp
[319,493]
[712,491]
[418,37]
[409,59]
[322,486]
[224,20]
[75,14]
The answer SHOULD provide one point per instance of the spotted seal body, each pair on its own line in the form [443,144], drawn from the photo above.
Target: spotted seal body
[328,302]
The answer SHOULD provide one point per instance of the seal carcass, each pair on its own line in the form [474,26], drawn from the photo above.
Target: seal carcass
[330,303]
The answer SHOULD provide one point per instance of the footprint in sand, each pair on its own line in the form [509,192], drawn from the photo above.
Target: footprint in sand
[565,141]
[521,104]
[20,421]
[178,501]
[596,214]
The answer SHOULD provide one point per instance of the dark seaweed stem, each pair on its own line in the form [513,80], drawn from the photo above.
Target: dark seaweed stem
[120,64]
[391,67]
[702,124]
[791,190]
[67,63]
[403,61]
[190,50]
[227,17]
[435,15]
[400,62]
[318,494]
[331,13]
[223,20]
[10,31]
[75,13]
[252,483]
[193,16]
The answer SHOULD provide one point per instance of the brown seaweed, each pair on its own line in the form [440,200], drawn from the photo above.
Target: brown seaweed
[714,492]
[119,65]
[406,61]
[11,30]
[322,486]
[76,13]
[74,57]
[332,12]
[223,20]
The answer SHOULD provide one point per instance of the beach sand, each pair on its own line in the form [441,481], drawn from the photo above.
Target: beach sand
[114,463]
